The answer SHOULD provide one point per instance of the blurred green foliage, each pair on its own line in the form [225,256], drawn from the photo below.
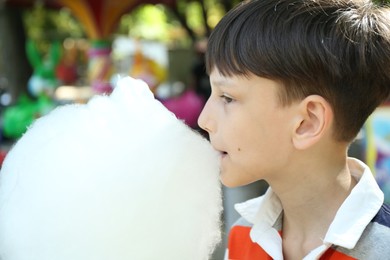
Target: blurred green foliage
[180,24]
[163,23]
[44,25]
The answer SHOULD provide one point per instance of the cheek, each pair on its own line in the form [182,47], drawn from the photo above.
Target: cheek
[246,151]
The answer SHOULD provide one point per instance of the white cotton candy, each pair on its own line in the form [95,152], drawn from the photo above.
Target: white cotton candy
[119,178]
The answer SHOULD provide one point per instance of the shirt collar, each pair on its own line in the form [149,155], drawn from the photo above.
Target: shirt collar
[358,209]
[263,212]
[351,219]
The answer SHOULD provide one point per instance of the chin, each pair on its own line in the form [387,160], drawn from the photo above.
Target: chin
[229,182]
[234,179]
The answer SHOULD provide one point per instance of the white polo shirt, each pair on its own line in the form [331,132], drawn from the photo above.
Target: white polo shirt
[352,218]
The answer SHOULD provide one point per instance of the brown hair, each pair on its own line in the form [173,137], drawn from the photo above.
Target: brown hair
[339,49]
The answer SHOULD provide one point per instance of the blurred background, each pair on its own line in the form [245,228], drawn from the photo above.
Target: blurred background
[55,52]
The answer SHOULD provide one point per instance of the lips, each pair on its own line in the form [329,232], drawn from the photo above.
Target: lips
[223,154]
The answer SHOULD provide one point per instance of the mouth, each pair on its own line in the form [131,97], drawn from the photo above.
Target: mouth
[223,154]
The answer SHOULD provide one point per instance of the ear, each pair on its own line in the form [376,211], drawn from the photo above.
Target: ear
[313,123]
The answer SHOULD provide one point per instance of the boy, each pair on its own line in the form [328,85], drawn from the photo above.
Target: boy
[292,84]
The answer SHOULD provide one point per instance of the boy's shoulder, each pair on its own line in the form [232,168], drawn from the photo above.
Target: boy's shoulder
[383,216]
[375,240]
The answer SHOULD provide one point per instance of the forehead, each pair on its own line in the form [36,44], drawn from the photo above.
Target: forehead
[246,87]
[218,79]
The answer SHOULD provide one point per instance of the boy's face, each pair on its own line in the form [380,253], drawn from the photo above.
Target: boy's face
[248,126]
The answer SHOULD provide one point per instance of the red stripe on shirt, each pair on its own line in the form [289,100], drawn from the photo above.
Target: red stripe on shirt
[241,247]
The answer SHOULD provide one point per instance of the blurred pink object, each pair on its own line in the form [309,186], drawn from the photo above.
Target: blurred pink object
[187,107]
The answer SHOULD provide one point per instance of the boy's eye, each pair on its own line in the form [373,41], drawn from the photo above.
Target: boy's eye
[226,99]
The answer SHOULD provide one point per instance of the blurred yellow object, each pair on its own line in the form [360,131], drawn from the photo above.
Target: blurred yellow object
[148,70]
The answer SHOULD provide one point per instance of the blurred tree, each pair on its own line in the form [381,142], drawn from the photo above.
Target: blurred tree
[14,67]
[38,23]
[45,25]
[199,17]
[147,21]
[183,22]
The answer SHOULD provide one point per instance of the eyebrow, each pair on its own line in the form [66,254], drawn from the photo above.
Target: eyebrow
[221,83]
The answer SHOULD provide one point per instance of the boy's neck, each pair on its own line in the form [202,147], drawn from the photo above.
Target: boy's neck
[311,195]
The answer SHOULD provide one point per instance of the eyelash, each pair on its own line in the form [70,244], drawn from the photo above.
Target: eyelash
[226,99]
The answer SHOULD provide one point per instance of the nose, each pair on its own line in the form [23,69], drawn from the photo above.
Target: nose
[205,120]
